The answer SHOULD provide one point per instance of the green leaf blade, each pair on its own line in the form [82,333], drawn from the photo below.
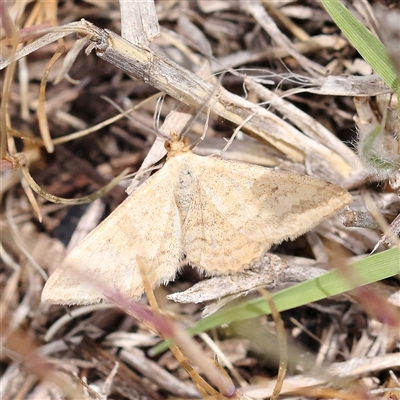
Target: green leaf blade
[368,45]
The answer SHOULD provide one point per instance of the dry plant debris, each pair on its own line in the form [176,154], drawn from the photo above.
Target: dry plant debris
[282,73]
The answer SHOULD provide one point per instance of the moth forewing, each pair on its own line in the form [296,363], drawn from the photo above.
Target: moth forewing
[145,225]
[240,210]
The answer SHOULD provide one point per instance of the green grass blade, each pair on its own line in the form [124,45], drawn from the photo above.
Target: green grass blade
[371,269]
[368,45]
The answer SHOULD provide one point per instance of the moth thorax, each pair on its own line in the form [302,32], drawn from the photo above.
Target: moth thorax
[186,194]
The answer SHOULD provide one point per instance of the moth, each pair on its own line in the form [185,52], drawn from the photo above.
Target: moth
[217,215]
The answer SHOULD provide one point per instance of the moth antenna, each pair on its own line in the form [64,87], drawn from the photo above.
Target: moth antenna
[157,113]
[144,171]
[204,130]
[118,108]
[205,104]
[235,132]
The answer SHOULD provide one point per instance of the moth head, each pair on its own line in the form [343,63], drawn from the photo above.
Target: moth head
[176,145]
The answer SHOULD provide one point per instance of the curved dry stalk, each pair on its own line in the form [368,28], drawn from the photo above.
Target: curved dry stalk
[41,110]
[4,117]
[221,355]
[15,163]
[82,200]
[104,123]
[281,334]
[201,384]
[20,243]
[32,200]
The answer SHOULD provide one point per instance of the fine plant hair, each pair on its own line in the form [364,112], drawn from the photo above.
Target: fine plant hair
[377,150]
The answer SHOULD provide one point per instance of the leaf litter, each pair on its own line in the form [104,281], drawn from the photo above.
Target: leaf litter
[84,348]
